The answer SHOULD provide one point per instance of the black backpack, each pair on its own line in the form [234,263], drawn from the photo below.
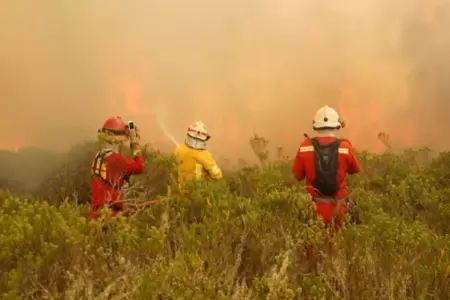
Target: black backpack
[326,163]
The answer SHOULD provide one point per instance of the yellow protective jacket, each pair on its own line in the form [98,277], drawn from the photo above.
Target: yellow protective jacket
[195,164]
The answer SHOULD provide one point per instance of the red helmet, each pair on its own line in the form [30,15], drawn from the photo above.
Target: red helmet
[114,128]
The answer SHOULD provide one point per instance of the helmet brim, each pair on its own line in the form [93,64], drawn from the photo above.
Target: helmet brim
[326,125]
[203,139]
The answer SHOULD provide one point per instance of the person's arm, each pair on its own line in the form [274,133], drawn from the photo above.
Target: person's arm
[135,165]
[298,168]
[127,166]
[209,164]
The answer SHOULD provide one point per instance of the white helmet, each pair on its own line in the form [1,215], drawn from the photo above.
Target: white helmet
[327,118]
[198,130]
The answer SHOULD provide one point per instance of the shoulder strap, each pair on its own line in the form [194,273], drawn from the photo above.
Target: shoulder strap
[99,167]
[317,145]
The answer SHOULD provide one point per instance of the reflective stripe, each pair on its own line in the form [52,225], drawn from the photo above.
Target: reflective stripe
[311,149]
[307,149]
[198,171]
[343,150]
[215,170]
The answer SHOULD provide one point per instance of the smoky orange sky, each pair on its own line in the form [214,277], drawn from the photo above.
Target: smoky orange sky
[240,66]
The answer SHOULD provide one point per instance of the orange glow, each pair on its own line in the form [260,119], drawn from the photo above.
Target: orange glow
[360,112]
[15,148]
[367,120]
[132,96]
[429,11]
[258,66]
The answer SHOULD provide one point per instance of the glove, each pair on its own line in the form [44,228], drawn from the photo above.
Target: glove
[136,149]
[134,135]
[134,140]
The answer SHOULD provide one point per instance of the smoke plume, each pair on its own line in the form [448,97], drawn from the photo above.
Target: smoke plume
[240,66]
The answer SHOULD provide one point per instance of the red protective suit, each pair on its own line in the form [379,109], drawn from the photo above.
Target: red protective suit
[108,171]
[305,166]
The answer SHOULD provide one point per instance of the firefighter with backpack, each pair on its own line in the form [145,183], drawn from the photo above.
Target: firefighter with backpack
[111,169]
[324,161]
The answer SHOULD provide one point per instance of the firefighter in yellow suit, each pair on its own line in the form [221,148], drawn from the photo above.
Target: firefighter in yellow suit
[194,160]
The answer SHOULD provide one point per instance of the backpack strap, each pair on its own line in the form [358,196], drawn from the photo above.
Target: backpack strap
[317,145]
[99,168]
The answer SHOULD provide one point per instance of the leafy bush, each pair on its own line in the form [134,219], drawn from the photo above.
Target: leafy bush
[252,236]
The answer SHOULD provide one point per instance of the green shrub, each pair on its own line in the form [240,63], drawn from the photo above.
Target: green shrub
[252,236]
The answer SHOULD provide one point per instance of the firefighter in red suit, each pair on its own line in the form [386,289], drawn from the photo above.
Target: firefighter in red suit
[110,168]
[325,160]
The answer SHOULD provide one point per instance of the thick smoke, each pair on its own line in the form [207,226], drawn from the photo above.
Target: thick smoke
[426,48]
[240,66]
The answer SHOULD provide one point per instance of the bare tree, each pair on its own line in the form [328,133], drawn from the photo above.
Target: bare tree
[385,139]
[280,153]
[259,146]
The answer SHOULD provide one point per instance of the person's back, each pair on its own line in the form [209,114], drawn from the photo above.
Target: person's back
[325,161]
[110,168]
[346,163]
[194,160]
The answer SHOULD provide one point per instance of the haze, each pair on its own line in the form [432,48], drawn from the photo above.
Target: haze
[259,66]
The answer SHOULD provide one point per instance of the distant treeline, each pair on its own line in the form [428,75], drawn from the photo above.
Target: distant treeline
[24,170]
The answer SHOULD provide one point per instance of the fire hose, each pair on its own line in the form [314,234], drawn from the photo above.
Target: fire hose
[134,208]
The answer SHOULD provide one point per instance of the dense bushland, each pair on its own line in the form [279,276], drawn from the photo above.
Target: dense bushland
[252,236]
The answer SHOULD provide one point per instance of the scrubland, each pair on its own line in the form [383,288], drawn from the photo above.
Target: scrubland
[252,236]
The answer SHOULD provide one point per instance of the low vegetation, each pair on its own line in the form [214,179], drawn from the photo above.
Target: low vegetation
[252,236]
